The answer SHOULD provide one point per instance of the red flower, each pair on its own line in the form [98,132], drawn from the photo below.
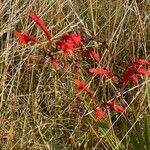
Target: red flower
[133,78]
[82,86]
[40,23]
[75,38]
[114,106]
[92,53]
[131,74]
[101,71]
[69,42]
[66,47]
[24,38]
[139,62]
[136,71]
[98,112]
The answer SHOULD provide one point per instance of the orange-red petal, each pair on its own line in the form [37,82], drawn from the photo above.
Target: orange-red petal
[40,23]
[98,112]
[101,71]
[92,53]
[114,106]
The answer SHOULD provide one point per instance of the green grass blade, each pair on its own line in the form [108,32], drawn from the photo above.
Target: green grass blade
[147,133]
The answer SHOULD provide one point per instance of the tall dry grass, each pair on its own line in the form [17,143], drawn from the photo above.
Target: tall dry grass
[38,109]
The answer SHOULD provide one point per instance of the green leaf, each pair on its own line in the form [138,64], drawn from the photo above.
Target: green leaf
[134,142]
[147,133]
[102,124]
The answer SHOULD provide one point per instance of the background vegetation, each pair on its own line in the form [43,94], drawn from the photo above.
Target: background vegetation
[38,109]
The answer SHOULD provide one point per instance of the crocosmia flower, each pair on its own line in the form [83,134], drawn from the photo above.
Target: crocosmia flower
[24,38]
[82,86]
[40,23]
[98,113]
[114,106]
[66,47]
[73,37]
[69,42]
[92,53]
[99,70]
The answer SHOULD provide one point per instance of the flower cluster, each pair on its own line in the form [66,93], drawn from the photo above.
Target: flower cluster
[72,44]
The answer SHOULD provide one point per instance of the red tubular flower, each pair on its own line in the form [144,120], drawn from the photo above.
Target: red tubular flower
[101,71]
[133,78]
[75,38]
[40,23]
[114,106]
[66,47]
[24,38]
[139,62]
[131,74]
[136,71]
[92,53]
[98,112]
[69,42]
[82,86]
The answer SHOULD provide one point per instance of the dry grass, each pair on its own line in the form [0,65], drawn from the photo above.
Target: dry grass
[38,109]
